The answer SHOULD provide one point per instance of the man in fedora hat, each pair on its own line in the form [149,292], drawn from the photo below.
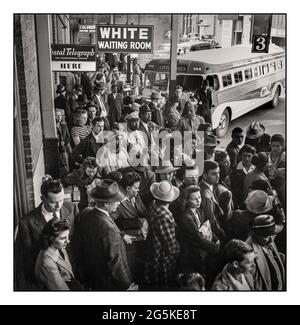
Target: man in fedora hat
[257,137]
[156,107]
[100,102]
[270,264]
[61,101]
[163,245]
[257,202]
[210,144]
[103,257]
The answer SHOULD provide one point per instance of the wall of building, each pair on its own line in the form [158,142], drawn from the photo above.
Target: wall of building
[246,29]
[224,33]
[27,71]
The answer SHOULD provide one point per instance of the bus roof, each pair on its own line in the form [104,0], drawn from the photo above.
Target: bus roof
[214,60]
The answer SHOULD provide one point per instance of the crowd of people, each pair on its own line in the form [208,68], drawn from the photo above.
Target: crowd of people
[139,226]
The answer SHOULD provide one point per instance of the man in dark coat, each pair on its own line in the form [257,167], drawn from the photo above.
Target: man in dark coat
[31,225]
[89,146]
[103,260]
[210,204]
[205,102]
[233,147]
[257,138]
[115,104]
[99,100]
[61,101]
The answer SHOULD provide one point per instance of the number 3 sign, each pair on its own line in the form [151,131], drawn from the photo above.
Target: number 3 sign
[260,44]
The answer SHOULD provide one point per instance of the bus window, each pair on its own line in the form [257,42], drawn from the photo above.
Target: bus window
[227,81]
[256,72]
[265,68]
[213,81]
[157,81]
[248,74]
[279,65]
[238,77]
[272,67]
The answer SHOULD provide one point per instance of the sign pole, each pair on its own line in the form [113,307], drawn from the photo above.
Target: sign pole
[128,69]
[173,54]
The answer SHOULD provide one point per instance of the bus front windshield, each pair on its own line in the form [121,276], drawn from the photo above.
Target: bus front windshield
[157,81]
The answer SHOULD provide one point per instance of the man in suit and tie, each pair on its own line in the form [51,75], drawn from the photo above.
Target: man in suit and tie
[31,225]
[115,104]
[89,146]
[98,100]
[103,257]
[210,204]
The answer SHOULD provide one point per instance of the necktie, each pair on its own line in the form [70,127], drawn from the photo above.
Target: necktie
[55,217]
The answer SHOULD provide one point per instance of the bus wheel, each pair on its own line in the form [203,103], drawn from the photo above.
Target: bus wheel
[275,99]
[223,124]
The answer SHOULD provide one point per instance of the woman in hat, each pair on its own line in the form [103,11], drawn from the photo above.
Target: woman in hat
[195,231]
[261,163]
[53,269]
[166,172]
[163,246]
[257,137]
[276,168]
[80,130]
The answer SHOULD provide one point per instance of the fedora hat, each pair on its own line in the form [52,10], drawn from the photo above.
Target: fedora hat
[166,168]
[156,95]
[164,191]
[135,107]
[259,202]
[255,130]
[60,89]
[132,116]
[107,191]
[264,225]
[211,140]
[145,109]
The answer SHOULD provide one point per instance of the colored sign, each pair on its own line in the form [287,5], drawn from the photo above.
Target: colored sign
[125,38]
[87,28]
[73,57]
[260,43]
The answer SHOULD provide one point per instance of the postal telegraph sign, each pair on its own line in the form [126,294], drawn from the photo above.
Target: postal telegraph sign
[73,57]
[125,38]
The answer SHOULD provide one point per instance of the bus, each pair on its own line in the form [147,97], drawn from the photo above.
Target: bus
[240,80]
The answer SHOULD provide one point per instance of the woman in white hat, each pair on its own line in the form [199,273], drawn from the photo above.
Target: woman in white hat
[163,246]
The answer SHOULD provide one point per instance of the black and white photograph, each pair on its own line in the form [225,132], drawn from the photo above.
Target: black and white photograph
[149,152]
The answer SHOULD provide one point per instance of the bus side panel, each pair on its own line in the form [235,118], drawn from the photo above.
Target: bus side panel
[245,99]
